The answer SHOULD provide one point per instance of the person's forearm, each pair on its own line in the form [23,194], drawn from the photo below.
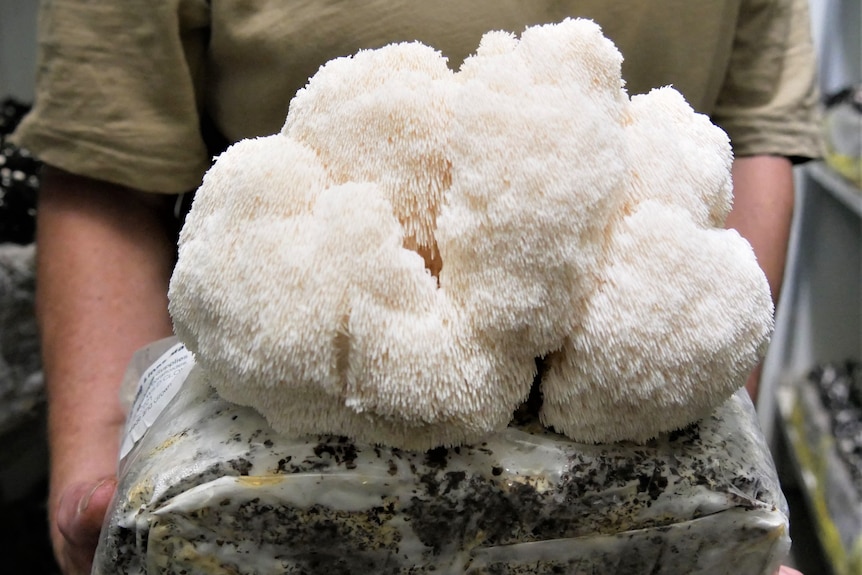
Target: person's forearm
[104,258]
[762,213]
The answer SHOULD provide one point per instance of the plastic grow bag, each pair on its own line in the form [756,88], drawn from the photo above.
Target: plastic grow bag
[207,487]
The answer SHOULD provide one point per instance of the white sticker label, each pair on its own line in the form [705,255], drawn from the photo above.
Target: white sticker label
[157,386]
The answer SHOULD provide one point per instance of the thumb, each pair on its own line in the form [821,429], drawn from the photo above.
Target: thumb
[82,509]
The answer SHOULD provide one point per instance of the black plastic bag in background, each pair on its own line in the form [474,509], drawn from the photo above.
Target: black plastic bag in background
[19,180]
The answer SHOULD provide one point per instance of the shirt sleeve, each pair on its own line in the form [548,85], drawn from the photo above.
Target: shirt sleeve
[769,103]
[116,96]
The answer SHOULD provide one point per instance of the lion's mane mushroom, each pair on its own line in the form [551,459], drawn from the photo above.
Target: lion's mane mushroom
[391,264]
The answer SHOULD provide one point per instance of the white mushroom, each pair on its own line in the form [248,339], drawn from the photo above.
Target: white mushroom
[391,264]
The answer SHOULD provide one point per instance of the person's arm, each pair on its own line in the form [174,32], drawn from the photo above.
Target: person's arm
[763,197]
[104,259]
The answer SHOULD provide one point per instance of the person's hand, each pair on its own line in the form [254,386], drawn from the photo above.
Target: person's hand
[80,513]
[784,570]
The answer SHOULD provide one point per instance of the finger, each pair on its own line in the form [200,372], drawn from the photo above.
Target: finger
[788,571]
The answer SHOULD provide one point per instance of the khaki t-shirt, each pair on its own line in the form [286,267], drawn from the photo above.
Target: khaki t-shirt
[122,85]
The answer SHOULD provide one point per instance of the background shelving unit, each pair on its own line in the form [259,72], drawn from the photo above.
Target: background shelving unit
[819,316]
[819,321]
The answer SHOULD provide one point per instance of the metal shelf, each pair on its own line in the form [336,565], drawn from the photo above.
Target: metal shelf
[841,188]
[819,318]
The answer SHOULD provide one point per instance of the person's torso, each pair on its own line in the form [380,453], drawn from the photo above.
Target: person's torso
[263,51]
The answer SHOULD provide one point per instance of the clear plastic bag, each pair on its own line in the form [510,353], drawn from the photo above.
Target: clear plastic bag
[208,487]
